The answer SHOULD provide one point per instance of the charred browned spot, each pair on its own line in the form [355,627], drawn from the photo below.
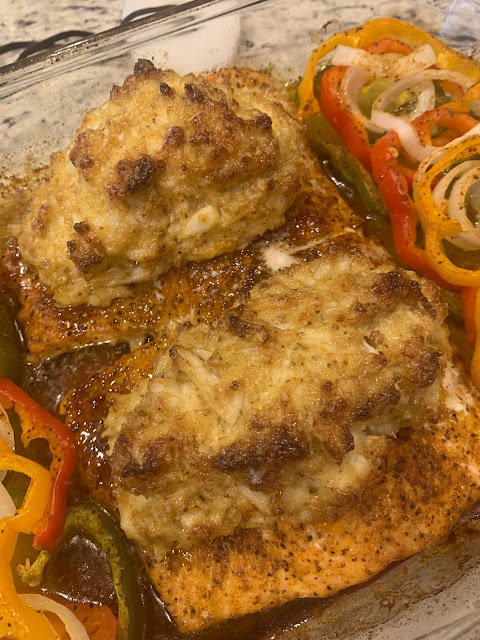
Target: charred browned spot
[134,174]
[39,222]
[377,404]
[142,473]
[81,227]
[166,90]
[193,93]
[81,155]
[201,131]
[334,428]
[393,287]
[86,253]
[174,138]
[243,328]
[424,368]
[261,456]
[115,92]
[263,120]
[144,67]
[334,409]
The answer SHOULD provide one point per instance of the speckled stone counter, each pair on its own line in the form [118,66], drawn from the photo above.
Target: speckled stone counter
[41,112]
[26,20]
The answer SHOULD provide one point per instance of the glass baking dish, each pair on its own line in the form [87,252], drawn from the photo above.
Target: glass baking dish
[436,594]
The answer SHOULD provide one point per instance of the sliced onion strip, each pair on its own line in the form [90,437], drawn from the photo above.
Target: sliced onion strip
[74,627]
[385,65]
[7,506]
[406,132]
[6,434]
[438,153]
[352,82]
[457,209]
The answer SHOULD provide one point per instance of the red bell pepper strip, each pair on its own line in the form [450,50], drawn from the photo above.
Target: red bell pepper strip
[393,181]
[339,115]
[388,173]
[455,122]
[38,423]
[337,110]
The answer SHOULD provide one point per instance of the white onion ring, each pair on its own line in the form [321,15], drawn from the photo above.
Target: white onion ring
[6,434]
[352,82]
[384,65]
[438,153]
[7,506]
[470,239]
[406,132]
[74,627]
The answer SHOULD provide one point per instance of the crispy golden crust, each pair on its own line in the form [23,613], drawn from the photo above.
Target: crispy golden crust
[198,290]
[418,488]
[169,170]
[278,410]
[413,498]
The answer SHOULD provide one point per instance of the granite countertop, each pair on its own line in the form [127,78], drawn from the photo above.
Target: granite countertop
[27,20]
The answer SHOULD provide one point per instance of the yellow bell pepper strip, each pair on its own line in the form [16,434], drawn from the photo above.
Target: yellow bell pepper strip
[371,32]
[394,180]
[38,423]
[438,225]
[18,620]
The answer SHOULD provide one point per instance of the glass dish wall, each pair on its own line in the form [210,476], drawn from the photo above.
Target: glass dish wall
[42,102]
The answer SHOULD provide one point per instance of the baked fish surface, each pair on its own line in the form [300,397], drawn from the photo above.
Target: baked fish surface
[315,433]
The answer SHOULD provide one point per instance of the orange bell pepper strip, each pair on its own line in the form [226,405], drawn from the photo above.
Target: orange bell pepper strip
[38,423]
[374,31]
[16,618]
[393,181]
[438,225]
[98,620]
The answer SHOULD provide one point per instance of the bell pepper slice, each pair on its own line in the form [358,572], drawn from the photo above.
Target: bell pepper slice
[16,618]
[38,423]
[393,179]
[438,225]
[373,31]
[338,112]
[90,522]
[98,620]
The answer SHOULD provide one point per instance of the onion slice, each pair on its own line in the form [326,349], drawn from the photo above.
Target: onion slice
[406,132]
[470,239]
[74,627]
[6,434]
[385,65]
[352,82]
[438,153]
[7,506]
[415,80]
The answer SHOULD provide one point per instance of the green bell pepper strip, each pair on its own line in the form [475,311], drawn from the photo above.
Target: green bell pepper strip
[10,356]
[91,522]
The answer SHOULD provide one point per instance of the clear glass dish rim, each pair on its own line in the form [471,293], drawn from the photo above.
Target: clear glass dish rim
[25,72]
